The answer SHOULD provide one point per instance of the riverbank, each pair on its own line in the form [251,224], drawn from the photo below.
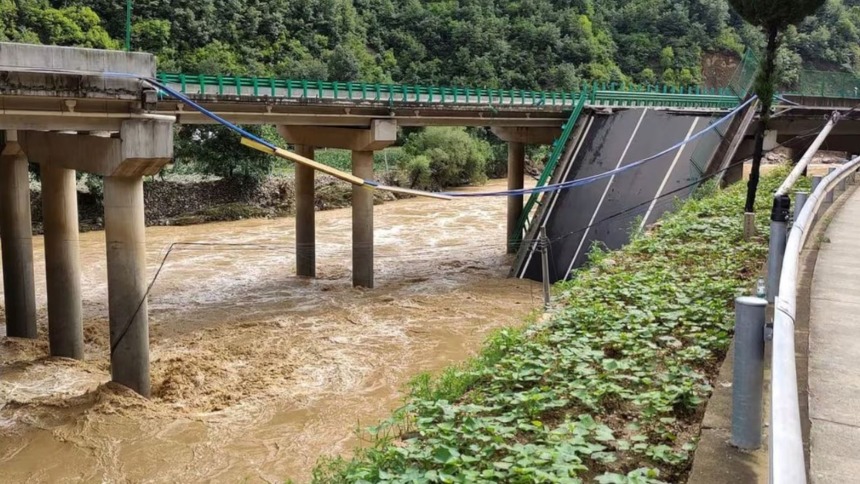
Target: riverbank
[193,200]
[609,386]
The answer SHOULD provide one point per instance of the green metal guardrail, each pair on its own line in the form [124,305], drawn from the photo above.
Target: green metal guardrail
[611,94]
[558,146]
[811,83]
[744,76]
[835,84]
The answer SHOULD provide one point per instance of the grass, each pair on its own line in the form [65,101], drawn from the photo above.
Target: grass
[610,388]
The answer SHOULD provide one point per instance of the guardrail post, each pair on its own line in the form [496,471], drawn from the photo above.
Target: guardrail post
[748,374]
[816,180]
[776,251]
[828,197]
[799,201]
[843,184]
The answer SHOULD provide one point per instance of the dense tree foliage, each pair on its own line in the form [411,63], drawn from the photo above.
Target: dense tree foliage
[553,44]
[215,150]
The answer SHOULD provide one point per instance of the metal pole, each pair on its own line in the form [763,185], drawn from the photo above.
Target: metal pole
[799,202]
[748,374]
[128,26]
[544,248]
[778,236]
[807,157]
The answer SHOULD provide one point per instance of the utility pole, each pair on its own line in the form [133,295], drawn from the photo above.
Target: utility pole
[128,25]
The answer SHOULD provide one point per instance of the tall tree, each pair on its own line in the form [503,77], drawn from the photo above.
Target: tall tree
[772,16]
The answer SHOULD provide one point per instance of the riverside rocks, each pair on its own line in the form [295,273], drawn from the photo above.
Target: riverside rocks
[185,202]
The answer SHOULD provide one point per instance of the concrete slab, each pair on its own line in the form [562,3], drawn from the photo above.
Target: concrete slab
[717,462]
[834,351]
[71,72]
[14,55]
[834,453]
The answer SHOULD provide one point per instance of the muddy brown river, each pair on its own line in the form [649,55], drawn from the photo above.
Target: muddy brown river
[256,373]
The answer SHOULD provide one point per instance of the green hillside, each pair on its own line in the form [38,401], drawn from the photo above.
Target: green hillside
[553,44]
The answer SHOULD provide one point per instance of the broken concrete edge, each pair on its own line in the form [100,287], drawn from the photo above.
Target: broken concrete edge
[91,61]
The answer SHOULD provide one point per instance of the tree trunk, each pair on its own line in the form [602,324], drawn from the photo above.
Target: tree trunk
[765,86]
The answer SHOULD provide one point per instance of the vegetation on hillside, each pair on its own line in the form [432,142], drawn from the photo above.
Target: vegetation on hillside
[495,43]
[610,387]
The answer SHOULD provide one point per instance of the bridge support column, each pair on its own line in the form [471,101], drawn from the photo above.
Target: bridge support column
[16,238]
[517,138]
[126,269]
[305,216]
[62,263]
[516,178]
[362,142]
[362,221]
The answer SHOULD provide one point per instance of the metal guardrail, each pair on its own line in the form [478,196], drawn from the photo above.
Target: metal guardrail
[603,94]
[744,76]
[809,83]
[835,84]
[786,442]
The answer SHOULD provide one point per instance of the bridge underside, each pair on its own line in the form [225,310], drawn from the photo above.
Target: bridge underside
[608,211]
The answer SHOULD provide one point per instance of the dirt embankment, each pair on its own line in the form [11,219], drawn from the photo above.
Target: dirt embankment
[170,202]
[718,68]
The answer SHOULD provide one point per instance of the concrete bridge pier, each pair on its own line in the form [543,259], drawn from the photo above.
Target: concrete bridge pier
[362,142]
[517,139]
[126,269]
[16,238]
[305,216]
[516,181]
[362,221]
[142,148]
[62,262]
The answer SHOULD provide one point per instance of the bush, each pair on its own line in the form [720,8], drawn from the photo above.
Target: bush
[453,157]
[95,185]
[383,160]
[215,150]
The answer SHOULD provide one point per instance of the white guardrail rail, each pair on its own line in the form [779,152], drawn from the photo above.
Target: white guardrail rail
[787,464]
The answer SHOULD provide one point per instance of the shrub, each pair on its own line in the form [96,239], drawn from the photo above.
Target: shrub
[455,158]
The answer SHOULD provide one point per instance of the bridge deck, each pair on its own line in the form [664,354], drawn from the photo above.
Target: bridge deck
[834,351]
[281,101]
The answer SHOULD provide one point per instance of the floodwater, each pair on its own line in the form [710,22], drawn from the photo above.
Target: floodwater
[256,373]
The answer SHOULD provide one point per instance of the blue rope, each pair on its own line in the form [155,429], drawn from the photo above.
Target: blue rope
[209,114]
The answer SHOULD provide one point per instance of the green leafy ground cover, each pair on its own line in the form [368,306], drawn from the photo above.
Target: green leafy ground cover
[610,388]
